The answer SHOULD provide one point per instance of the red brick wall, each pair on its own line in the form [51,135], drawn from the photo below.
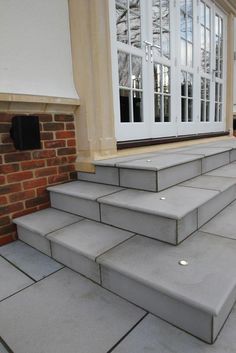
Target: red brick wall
[25,175]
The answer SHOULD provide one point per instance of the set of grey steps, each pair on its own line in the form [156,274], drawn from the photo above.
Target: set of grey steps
[196,298]
[170,215]
[158,171]
[112,235]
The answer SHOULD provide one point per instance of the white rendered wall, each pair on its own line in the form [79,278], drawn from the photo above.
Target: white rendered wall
[35,49]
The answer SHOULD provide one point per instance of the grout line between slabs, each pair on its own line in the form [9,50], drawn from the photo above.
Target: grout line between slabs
[127,333]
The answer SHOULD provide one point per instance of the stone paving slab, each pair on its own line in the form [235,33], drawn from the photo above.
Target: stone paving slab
[46,221]
[205,283]
[84,189]
[224,224]
[30,261]
[210,182]
[89,238]
[65,313]
[174,202]
[157,336]
[205,151]
[11,279]
[159,162]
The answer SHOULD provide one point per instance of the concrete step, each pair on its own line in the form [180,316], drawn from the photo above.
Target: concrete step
[159,170]
[80,197]
[171,215]
[33,228]
[196,297]
[79,245]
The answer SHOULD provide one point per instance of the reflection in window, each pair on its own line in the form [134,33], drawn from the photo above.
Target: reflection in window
[205,99]
[186,32]
[161,27]
[131,87]
[186,97]
[219,46]
[162,98]
[128,22]
[205,19]
[218,101]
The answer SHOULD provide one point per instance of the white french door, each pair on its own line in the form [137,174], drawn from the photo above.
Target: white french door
[169,67]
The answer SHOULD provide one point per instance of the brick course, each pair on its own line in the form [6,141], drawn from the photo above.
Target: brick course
[25,175]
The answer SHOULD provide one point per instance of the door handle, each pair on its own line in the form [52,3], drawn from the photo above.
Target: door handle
[147,47]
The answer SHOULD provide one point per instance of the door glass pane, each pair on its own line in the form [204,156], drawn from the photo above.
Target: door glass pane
[208,85]
[166,108]
[135,28]
[137,107]
[207,111]
[125,116]
[158,109]
[123,3]
[134,5]
[189,7]
[124,69]
[208,17]
[157,77]
[183,52]
[183,25]
[190,29]
[166,44]
[165,11]
[136,72]
[183,109]
[202,111]
[202,13]
[183,84]
[122,24]
[202,88]
[190,54]
[190,85]
[156,13]
[190,110]
[166,79]
[183,5]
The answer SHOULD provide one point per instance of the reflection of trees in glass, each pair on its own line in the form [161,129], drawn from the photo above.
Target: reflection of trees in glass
[161,26]
[128,22]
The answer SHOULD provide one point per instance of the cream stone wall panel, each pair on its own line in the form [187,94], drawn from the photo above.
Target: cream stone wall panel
[89,21]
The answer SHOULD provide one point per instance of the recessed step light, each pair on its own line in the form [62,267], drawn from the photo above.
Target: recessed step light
[162,198]
[183,263]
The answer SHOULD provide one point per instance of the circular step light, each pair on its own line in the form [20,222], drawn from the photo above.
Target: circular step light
[183,263]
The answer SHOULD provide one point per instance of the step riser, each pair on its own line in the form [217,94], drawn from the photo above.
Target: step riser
[155,181]
[214,206]
[103,175]
[78,206]
[76,262]
[167,308]
[152,226]
[216,161]
[160,180]
[35,240]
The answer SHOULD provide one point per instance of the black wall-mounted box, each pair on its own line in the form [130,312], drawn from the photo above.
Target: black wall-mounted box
[25,132]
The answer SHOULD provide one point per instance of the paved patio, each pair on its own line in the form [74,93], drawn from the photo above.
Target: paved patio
[48,308]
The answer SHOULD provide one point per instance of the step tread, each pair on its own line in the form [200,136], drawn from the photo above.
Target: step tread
[178,201]
[205,151]
[89,238]
[159,162]
[225,171]
[83,189]
[205,283]
[210,182]
[46,221]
